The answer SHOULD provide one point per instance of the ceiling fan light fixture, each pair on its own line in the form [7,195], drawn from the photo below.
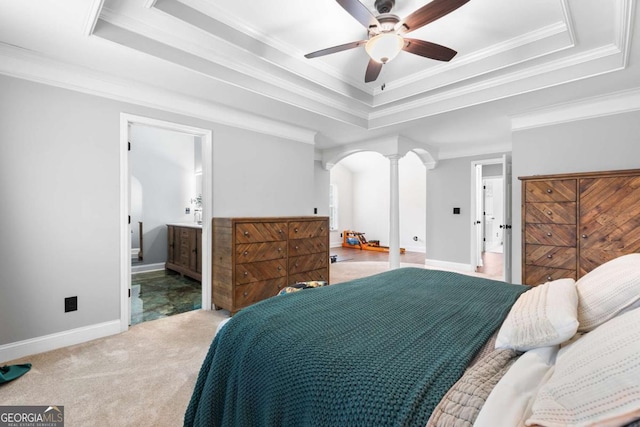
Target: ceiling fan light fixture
[384,47]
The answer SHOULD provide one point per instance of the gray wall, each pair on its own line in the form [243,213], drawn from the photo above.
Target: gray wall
[449,186]
[164,163]
[601,144]
[59,186]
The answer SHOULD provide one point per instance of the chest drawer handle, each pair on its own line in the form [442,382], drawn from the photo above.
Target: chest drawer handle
[549,190]
[297,247]
[279,249]
[549,212]
[549,256]
[245,294]
[549,277]
[584,236]
[246,233]
[279,268]
[295,230]
[246,253]
[548,234]
[246,273]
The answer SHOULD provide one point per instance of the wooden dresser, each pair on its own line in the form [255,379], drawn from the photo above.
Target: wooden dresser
[184,249]
[253,258]
[572,223]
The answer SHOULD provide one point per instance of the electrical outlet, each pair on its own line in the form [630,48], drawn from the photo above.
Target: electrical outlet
[70,304]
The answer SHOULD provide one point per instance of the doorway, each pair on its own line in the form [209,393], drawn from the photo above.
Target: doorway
[491,226]
[148,230]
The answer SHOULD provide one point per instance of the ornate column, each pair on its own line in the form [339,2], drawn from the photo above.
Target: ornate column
[394,212]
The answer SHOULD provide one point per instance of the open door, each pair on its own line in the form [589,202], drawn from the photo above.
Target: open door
[479,217]
[506,175]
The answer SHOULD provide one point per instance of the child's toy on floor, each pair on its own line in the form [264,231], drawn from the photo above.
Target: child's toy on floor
[356,240]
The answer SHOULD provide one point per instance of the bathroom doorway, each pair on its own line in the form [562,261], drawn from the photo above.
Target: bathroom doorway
[167,183]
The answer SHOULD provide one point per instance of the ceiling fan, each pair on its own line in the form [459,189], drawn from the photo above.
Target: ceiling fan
[386,33]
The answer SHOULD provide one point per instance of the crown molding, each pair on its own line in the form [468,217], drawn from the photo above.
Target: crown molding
[589,108]
[92,17]
[277,82]
[35,67]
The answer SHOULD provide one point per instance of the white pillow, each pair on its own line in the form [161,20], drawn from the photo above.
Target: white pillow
[544,315]
[595,381]
[608,290]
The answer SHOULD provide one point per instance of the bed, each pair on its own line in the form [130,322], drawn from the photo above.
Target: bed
[418,347]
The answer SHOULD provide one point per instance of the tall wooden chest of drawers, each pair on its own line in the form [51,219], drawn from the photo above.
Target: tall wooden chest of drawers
[253,258]
[572,223]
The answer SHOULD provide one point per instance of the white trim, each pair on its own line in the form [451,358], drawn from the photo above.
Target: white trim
[92,18]
[143,268]
[26,65]
[44,343]
[457,266]
[589,108]
[207,202]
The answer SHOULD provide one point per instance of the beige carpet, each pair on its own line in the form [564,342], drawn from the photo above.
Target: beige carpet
[143,377]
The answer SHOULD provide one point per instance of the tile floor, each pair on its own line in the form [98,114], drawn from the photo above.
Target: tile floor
[157,294]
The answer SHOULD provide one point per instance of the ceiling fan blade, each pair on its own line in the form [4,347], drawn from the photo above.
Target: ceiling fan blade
[335,49]
[360,12]
[373,71]
[428,13]
[428,49]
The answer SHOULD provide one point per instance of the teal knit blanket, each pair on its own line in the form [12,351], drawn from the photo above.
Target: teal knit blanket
[378,351]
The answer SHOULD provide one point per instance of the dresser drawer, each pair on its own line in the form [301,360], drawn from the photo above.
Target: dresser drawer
[550,234]
[252,252]
[550,212]
[245,295]
[306,229]
[257,271]
[311,262]
[551,256]
[535,275]
[558,190]
[320,274]
[307,246]
[261,232]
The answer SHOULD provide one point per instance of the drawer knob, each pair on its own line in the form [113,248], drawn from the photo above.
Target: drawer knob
[279,249]
[584,236]
[548,234]
[246,233]
[295,230]
[296,264]
[321,228]
[246,253]
[549,277]
[280,231]
[549,190]
[246,273]
[548,212]
[297,247]
[549,256]
[245,294]
[279,268]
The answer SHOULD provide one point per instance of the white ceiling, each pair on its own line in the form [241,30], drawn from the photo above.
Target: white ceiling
[515,59]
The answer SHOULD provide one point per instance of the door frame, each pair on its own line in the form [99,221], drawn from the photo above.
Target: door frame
[476,195]
[206,135]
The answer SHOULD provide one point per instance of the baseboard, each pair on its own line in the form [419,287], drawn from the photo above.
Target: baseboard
[147,267]
[415,249]
[37,345]
[449,265]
